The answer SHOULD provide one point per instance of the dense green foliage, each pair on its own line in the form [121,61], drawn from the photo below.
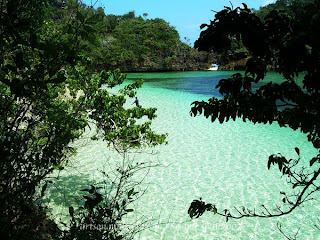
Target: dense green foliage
[49,97]
[137,42]
[292,8]
[292,44]
[133,43]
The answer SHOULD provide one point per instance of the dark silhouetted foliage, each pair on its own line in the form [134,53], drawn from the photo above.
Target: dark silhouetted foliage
[292,45]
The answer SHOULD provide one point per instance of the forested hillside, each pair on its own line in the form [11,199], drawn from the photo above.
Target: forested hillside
[134,43]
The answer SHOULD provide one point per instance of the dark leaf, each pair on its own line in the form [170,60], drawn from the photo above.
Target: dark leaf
[44,188]
[71,211]
[297,151]
[313,160]
[203,26]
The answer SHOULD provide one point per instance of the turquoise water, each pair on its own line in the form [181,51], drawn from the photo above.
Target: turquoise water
[225,164]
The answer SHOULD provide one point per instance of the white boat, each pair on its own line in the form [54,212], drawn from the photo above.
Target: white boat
[214,67]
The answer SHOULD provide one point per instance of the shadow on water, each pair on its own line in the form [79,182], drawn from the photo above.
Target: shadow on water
[66,190]
[196,85]
[201,82]
[204,85]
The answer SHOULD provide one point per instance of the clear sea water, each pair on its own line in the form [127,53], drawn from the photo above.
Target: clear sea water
[225,164]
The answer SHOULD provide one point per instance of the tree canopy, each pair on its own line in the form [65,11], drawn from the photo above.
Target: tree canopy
[136,41]
[48,98]
[292,45]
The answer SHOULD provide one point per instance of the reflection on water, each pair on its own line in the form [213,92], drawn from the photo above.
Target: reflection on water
[202,82]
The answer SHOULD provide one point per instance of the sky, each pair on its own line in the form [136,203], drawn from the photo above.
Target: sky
[185,15]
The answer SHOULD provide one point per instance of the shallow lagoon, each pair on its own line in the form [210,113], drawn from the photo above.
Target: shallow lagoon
[225,164]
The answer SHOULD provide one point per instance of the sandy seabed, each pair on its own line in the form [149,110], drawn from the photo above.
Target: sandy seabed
[225,164]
